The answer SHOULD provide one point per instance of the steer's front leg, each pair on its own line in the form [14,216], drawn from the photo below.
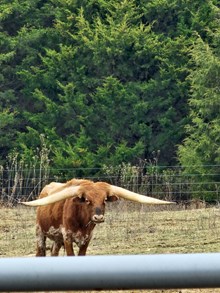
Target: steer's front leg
[83,249]
[68,243]
[84,246]
[69,247]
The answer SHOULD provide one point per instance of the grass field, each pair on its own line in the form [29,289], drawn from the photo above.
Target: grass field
[129,229]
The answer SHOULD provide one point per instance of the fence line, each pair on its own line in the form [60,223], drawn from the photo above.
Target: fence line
[169,271]
[171,183]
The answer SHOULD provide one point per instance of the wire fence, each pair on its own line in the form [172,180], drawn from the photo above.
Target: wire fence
[169,183]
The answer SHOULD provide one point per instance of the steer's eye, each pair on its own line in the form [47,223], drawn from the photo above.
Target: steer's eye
[87,201]
[84,200]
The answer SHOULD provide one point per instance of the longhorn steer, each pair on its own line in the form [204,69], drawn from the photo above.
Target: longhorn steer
[68,212]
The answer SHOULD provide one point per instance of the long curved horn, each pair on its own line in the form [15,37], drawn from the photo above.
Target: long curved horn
[129,195]
[71,191]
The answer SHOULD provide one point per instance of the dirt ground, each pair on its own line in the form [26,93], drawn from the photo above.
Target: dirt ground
[128,229]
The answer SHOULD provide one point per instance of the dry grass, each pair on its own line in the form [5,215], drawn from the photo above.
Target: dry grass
[129,229]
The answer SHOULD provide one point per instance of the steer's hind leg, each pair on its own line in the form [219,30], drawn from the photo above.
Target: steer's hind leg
[41,242]
[83,248]
[69,247]
[56,248]
[68,242]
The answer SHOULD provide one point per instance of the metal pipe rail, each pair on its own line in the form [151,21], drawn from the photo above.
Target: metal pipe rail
[169,271]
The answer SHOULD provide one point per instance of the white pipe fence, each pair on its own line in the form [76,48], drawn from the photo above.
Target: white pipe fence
[169,271]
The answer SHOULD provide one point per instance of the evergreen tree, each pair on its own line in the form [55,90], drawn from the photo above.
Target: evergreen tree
[199,154]
[201,147]
[117,67]
[105,82]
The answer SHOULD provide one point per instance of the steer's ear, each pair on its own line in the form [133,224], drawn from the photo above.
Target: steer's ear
[112,198]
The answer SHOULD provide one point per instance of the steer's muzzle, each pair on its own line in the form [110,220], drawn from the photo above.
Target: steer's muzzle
[98,218]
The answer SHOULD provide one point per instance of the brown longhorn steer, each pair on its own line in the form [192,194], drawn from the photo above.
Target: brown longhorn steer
[68,212]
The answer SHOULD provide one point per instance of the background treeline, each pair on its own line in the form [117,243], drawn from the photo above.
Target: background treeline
[96,84]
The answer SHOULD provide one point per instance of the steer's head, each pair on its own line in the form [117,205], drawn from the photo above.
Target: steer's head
[95,196]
